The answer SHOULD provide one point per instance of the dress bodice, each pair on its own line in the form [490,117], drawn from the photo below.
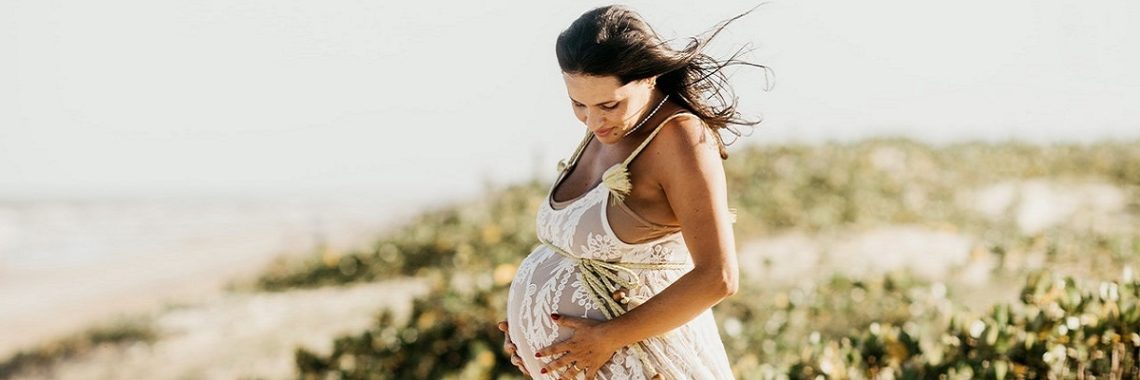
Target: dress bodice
[580,255]
[583,225]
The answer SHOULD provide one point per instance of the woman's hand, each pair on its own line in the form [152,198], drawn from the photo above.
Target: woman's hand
[511,349]
[585,351]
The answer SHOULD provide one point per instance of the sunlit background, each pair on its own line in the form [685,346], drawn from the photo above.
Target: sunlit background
[153,151]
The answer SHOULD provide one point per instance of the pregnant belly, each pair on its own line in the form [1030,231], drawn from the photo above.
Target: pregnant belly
[545,283]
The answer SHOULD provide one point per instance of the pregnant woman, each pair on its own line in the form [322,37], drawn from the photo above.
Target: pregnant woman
[636,234]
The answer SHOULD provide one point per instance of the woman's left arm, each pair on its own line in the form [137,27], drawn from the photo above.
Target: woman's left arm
[695,186]
[694,183]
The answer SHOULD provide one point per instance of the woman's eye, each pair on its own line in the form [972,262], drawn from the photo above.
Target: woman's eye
[610,107]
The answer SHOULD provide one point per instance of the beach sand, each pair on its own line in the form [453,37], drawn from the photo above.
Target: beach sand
[218,334]
[243,335]
[148,255]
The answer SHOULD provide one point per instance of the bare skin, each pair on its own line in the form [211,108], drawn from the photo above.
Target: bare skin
[634,101]
[510,348]
[677,180]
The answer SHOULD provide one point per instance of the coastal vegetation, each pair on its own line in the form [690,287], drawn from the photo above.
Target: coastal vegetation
[1076,314]
[978,260]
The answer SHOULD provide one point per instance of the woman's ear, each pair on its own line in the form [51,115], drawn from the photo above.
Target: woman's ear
[650,82]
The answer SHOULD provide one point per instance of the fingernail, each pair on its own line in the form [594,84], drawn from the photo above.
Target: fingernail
[538,354]
[543,370]
[554,316]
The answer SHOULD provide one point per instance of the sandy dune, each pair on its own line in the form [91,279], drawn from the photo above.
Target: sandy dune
[244,335]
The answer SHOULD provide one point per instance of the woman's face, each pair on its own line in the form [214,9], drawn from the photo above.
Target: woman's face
[607,107]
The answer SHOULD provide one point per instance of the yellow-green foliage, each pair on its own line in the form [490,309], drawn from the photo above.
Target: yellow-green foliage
[843,328]
[1059,330]
[838,327]
[451,333]
[39,360]
[774,188]
[475,236]
[898,181]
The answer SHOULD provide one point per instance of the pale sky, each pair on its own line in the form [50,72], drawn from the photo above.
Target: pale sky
[427,97]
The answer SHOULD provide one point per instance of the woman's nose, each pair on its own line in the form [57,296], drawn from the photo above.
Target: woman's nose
[594,121]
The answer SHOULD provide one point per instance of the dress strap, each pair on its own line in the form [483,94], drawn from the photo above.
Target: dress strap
[563,165]
[651,135]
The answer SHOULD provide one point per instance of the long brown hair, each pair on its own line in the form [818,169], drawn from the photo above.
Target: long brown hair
[615,40]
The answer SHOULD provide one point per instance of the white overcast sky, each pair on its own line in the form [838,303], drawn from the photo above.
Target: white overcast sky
[238,96]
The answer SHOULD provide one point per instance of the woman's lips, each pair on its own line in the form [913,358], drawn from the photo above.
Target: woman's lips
[602,132]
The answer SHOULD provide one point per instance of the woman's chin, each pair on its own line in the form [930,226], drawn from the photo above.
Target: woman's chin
[607,137]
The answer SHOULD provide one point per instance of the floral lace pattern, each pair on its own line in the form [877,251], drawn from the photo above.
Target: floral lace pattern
[547,282]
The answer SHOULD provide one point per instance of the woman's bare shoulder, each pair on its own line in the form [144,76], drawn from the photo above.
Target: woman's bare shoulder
[685,147]
[686,130]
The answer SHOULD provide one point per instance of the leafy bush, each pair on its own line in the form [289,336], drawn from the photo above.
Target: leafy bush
[891,327]
[771,332]
[894,326]
[475,236]
[451,334]
[40,360]
[774,188]
[1058,330]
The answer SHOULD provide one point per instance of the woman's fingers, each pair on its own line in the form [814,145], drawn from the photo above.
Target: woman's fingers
[591,373]
[518,362]
[508,346]
[511,348]
[569,374]
[557,364]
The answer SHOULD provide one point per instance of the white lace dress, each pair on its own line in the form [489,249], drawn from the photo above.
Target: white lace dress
[548,282]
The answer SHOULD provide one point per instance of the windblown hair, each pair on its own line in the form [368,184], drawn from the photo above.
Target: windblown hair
[615,40]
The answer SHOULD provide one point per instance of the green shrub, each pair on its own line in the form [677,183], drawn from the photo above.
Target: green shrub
[450,334]
[893,326]
[1058,330]
[475,236]
[842,329]
[40,360]
[773,188]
